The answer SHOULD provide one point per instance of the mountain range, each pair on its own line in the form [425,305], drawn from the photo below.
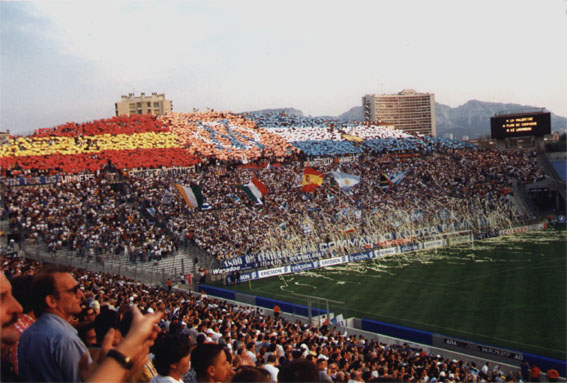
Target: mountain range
[471,119]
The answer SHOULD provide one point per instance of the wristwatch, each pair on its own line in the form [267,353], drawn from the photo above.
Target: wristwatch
[124,360]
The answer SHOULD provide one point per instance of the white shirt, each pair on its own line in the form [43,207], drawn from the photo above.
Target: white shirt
[165,379]
[273,371]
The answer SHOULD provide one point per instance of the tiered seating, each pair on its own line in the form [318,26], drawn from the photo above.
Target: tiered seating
[125,142]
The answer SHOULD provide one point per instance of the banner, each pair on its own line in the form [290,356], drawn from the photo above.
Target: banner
[47,180]
[388,244]
[161,172]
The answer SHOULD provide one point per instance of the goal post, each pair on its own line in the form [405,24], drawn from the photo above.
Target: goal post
[456,237]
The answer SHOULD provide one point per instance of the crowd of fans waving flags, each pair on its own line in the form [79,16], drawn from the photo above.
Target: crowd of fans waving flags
[301,180]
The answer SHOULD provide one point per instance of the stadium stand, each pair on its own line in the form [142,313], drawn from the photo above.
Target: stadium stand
[435,181]
[242,328]
[107,190]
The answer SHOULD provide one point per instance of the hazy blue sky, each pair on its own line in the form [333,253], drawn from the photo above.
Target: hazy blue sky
[71,61]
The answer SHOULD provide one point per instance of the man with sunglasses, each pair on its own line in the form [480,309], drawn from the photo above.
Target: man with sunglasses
[50,350]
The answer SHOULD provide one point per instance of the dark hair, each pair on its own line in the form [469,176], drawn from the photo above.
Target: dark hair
[21,290]
[126,322]
[104,321]
[201,339]
[251,374]
[299,370]
[203,356]
[169,350]
[83,329]
[43,284]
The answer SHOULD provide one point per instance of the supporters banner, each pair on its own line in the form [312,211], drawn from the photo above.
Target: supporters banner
[522,229]
[479,350]
[47,180]
[162,172]
[384,244]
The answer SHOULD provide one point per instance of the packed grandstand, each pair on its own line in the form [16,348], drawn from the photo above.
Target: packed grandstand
[271,187]
[250,335]
[110,188]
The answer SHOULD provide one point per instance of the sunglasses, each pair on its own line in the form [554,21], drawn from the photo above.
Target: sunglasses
[75,289]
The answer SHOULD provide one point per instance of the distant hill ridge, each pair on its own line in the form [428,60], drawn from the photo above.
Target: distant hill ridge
[471,119]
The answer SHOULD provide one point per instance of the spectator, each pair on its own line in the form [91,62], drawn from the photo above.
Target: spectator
[248,374]
[106,320]
[172,358]
[270,366]
[552,375]
[9,311]
[148,372]
[534,374]
[300,370]
[21,290]
[137,343]
[86,331]
[322,368]
[50,349]
[332,370]
[210,363]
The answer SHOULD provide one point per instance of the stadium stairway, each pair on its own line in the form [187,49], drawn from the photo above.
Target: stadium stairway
[523,201]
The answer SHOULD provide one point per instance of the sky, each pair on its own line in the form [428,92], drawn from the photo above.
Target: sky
[72,60]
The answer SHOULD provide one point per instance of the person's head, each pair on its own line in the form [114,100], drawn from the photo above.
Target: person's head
[332,369]
[9,310]
[210,363]
[106,320]
[321,364]
[87,333]
[299,370]
[87,315]
[21,289]
[54,290]
[251,374]
[172,355]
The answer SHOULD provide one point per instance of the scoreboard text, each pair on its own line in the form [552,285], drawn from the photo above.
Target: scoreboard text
[534,124]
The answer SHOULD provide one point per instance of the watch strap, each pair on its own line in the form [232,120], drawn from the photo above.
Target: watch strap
[124,361]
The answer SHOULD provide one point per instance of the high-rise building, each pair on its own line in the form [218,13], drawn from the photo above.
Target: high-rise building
[409,111]
[155,104]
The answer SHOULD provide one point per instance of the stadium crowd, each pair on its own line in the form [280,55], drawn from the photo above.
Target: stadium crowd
[198,339]
[144,218]
[118,212]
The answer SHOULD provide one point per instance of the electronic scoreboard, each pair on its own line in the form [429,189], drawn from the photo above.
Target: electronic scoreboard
[519,125]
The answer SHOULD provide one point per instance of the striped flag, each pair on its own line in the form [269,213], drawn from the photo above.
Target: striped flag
[385,181]
[345,180]
[255,190]
[191,194]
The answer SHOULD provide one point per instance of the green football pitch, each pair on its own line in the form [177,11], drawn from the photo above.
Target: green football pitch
[506,291]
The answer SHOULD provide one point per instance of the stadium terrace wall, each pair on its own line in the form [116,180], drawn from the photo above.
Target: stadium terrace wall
[451,344]
[316,261]
[394,240]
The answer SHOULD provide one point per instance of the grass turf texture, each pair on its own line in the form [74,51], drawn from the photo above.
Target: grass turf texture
[508,291]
